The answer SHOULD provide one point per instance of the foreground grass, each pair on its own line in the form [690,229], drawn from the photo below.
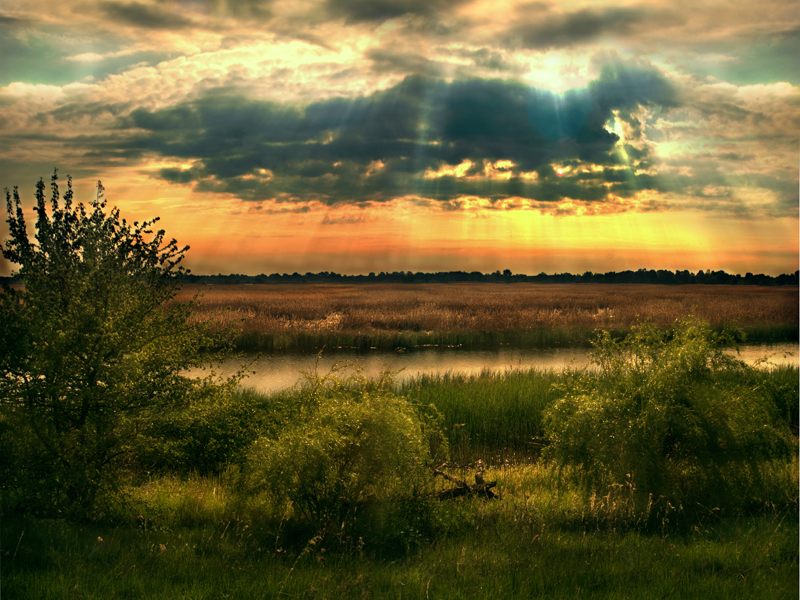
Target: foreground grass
[754,558]
[531,543]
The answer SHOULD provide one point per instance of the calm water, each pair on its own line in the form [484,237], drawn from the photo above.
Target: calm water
[276,372]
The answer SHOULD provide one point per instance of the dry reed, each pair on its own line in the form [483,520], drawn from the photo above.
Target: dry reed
[390,308]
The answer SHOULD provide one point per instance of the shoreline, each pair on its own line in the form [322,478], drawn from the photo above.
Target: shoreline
[254,341]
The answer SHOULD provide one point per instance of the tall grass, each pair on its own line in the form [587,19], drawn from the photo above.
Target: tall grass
[273,317]
[492,416]
[499,416]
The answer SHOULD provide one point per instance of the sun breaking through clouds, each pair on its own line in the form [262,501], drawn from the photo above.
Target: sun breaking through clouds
[380,135]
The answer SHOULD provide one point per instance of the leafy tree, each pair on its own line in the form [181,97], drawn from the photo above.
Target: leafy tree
[92,349]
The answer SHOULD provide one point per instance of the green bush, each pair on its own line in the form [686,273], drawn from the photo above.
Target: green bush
[347,443]
[210,430]
[671,414]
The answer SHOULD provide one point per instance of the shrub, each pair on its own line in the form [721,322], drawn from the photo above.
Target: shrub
[347,442]
[671,414]
[210,430]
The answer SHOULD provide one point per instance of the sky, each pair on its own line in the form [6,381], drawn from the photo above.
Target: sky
[362,136]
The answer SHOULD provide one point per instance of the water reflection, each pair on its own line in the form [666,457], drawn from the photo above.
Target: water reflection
[275,372]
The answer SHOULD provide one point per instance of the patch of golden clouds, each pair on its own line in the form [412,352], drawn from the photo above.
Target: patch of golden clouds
[449,171]
[374,167]
[498,170]
[610,204]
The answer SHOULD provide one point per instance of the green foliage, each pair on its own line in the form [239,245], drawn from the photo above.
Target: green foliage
[202,436]
[347,442]
[781,384]
[92,350]
[670,414]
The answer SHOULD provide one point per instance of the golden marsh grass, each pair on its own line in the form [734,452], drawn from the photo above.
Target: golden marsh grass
[380,309]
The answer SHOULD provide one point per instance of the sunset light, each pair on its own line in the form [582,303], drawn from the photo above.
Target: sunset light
[341,135]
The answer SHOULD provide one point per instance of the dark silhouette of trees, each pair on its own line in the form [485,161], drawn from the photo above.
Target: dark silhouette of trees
[641,276]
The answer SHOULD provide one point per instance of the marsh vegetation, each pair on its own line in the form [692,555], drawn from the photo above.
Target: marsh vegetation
[285,317]
[670,468]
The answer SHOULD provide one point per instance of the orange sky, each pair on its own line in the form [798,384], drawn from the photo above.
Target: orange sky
[338,135]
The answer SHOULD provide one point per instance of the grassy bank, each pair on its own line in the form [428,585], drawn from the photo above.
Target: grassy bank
[281,317]
[255,341]
[498,416]
[197,537]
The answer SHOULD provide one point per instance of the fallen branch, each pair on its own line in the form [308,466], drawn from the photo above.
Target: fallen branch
[456,480]
[484,490]
[481,488]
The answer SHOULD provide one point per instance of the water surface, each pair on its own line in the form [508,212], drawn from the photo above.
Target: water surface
[278,371]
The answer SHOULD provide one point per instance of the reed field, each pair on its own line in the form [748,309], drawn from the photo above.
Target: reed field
[272,317]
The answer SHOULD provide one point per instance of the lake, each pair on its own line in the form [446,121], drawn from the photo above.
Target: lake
[278,371]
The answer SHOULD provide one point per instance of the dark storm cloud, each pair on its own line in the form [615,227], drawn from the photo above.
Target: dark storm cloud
[624,86]
[356,11]
[390,61]
[13,21]
[257,9]
[144,15]
[396,142]
[541,30]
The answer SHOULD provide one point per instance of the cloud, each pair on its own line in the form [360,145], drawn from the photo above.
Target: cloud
[572,28]
[250,9]
[491,60]
[364,116]
[380,147]
[385,60]
[146,16]
[13,21]
[628,85]
[163,14]
[356,11]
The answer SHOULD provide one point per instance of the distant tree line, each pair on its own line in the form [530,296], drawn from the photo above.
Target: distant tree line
[642,276]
